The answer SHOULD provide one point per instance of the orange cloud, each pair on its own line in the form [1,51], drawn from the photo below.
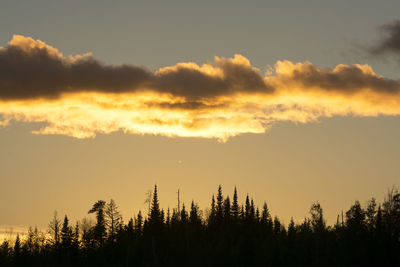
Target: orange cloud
[79,96]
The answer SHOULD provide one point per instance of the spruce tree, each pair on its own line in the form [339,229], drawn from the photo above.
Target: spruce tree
[355,219]
[155,218]
[130,227]
[212,216]
[66,234]
[247,208]
[242,214]
[219,210]
[184,215]
[168,220]
[257,215]
[17,247]
[227,210]
[291,228]
[252,214]
[235,206]
[194,216]
[139,223]
[277,226]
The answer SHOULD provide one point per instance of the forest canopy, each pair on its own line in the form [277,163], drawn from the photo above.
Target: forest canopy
[231,233]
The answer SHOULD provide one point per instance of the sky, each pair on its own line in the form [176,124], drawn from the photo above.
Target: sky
[291,101]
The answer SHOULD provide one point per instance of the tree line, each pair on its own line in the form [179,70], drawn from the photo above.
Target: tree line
[230,234]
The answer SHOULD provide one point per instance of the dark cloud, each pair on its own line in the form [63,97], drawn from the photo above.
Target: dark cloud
[390,40]
[345,79]
[39,71]
[31,69]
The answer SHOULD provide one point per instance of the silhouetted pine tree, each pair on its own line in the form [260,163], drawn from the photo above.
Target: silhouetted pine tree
[227,210]
[355,219]
[139,223]
[291,229]
[219,208]
[99,231]
[247,209]
[175,218]
[277,226]
[252,214]
[75,239]
[213,215]
[194,217]
[242,214]
[235,206]
[168,220]
[66,234]
[155,218]
[17,246]
[266,219]
[130,227]
[184,215]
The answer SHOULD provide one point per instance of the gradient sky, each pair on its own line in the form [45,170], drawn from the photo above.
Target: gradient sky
[334,161]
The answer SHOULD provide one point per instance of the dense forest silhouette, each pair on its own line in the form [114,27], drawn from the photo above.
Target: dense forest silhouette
[230,234]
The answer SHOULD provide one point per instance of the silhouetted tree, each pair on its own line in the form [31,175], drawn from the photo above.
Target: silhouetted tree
[219,208]
[66,234]
[355,218]
[317,218]
[235,206]
[100,227]
[247,208]
[17,246]
[252,214]
[194,217]
[139,223]
[75,240]
[258,215]
[54,228]
[291,229]
[370,215]
[155,218]
[391,213]
[266,219]
[168,219]
[212,216]
[227,210]
[113,219]
[184,215]
[277,226]
[378,222]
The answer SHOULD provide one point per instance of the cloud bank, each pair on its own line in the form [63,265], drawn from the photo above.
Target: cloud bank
[80,96]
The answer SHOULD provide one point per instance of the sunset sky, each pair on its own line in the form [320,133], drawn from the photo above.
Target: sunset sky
[291,101]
